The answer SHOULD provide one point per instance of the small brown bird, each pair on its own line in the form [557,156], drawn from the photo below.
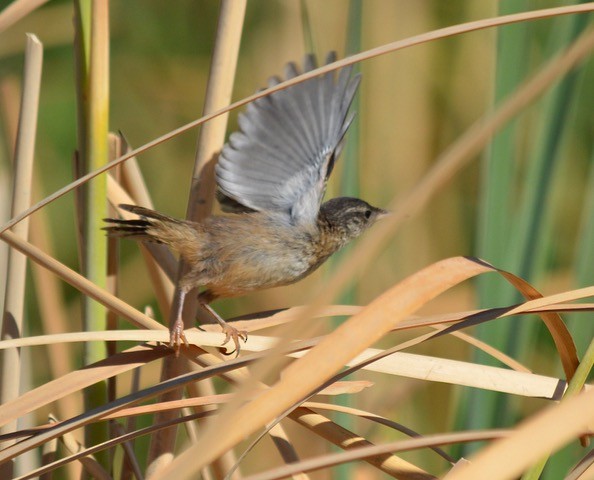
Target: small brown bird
[272,176]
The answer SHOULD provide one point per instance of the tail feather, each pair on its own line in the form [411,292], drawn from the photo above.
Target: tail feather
[150,227]
[147,213]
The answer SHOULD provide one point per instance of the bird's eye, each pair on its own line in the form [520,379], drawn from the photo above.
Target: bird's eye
[367,213]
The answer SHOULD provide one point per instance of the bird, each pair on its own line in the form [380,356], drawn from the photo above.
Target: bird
[271,178]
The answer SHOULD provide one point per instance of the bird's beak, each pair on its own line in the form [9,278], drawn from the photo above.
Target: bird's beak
[381,213]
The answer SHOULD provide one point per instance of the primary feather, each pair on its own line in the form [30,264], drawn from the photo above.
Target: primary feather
[287,145]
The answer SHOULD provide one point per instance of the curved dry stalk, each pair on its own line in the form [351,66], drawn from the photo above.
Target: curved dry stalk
[561,336]
[376,419]
[16,10]
[81,283]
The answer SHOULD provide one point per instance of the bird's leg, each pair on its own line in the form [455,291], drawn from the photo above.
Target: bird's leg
[176,329]
[231,333]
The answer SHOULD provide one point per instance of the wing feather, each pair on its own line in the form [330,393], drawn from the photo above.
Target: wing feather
[287,144]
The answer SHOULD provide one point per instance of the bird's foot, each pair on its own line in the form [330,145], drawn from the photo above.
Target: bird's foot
[231,333]
[177,335]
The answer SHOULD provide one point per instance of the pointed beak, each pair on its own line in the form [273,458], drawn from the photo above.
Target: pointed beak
[381,213]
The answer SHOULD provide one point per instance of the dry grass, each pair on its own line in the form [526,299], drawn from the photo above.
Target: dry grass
[293,367]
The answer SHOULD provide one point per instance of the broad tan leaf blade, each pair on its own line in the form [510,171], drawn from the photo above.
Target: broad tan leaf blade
[561,336]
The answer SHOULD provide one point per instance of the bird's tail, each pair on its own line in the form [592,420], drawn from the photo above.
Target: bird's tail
[151,227]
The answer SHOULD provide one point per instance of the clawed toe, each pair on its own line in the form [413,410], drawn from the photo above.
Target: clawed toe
[231,333]
[177,336]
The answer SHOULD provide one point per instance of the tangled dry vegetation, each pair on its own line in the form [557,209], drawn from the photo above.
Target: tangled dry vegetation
[128,408]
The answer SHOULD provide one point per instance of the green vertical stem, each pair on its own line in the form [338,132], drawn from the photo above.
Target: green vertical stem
[499,165]
[522,251]
[536,470]
[581,328]
[528,248]
[308,38]
[477,408]
[92,27]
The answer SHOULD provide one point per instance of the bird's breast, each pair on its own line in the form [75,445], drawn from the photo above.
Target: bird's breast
[242,253]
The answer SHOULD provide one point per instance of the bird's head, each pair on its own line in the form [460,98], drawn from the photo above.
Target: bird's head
[348,217]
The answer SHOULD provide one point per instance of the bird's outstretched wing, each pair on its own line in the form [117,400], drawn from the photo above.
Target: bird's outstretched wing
[287,143]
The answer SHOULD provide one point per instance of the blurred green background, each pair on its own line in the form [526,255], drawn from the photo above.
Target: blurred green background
[412,105]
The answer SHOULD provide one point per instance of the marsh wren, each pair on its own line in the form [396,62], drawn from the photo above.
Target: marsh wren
[271,178]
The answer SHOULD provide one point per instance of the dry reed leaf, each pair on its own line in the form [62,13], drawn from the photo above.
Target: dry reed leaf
[434,369]
[79,379]
[171,405]
[260,320]
[81,283]
[123,361]
[533,439]
[105,445]
[546,304]
[91,465]
[330,460]
[561,336]
[198,337]
[377,419]
[344,387]
[492,351]
[392,361]
[386,462]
